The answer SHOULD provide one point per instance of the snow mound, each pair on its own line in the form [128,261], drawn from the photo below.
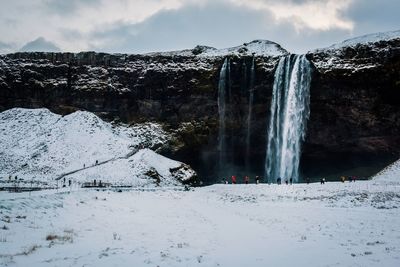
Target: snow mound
[390,174]
[38,145]
[365,39]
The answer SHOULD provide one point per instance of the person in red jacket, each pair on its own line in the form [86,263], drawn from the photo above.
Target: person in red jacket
[246,179]
[233,179]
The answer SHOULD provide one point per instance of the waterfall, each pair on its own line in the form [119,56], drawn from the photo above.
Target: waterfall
[288,118]
[250,113]
[222,84]
[229,81]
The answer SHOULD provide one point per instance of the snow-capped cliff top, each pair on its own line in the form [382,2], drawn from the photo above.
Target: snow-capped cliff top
[364,39]
[36,144]
[257,48]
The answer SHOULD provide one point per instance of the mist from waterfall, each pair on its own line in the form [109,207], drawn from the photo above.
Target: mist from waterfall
[250,113]
[288,118]
[222,84]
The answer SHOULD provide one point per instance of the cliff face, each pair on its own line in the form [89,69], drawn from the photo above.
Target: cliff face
[355,105]
[355,99]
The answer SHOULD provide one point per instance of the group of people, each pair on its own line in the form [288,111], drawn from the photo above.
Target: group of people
[246,180]
[349,178]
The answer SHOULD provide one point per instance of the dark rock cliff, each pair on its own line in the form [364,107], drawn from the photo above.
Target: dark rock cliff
[355,107]
[355,101]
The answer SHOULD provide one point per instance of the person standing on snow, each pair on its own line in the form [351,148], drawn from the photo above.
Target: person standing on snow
[257,179]
[246,179]
[233,179]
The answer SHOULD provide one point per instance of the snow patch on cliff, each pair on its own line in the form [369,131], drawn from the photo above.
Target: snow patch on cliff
[263,48]
[369,38]
[257,48]
[364,39]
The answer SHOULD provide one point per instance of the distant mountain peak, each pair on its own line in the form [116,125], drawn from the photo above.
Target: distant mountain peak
[40,44]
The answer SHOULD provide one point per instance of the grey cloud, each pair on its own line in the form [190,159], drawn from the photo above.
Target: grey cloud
[67,7]
[6,47]
[40,45]
[219,25]
[374,16]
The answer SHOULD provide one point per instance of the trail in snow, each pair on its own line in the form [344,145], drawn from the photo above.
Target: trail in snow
[96,165]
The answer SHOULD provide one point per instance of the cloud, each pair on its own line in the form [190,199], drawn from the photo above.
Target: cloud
[40,45]
[212,24]
[215,24]
[306,14]
[6,47]
[63,7]
[374,16]
[149,25]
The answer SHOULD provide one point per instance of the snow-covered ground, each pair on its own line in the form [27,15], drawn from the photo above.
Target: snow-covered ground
[336,224]
[38,145]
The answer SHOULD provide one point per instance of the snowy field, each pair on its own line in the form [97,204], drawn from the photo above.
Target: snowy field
[336,224]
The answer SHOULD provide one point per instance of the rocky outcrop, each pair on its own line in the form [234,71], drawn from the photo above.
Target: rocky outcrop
[355,99]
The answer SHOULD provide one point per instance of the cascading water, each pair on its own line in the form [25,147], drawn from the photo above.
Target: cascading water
[288,118]
[250,113]
[224,74]
[229,81]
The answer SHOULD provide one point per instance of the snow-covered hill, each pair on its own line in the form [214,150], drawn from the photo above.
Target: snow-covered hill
[39,145]
[390,174]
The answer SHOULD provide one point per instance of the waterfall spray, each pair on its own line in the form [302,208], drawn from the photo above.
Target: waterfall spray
[222,84]
[250,113]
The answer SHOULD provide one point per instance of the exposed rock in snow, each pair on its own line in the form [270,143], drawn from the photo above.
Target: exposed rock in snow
[42,146]
[390,174]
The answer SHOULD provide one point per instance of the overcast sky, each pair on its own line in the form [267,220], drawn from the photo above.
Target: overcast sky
[135,26]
